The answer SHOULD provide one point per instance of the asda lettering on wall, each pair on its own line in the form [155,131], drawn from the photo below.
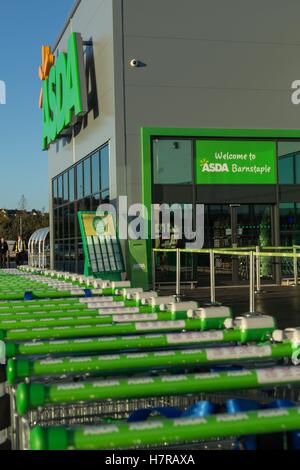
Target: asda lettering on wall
[64,92]
[235,162]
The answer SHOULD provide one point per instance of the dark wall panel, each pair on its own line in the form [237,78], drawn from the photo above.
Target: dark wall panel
[239,194]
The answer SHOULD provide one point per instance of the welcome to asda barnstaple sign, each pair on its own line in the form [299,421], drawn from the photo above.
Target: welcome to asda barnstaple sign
[64,92]
[236,162]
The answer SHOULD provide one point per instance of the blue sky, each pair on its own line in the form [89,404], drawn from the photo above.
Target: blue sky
[25,25]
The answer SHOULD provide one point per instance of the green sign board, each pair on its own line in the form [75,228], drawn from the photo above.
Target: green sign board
[235,162]
[64,92]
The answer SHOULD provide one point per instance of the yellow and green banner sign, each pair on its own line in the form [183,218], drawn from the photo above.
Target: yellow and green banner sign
[235,162]
[101,245]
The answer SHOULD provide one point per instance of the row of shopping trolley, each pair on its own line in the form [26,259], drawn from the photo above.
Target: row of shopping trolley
[112,367]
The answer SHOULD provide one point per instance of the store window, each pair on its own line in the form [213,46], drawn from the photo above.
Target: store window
[172,161]
[289,223]
[87,177]
[60,189]
[82,188]
[104,159]
[297,168]
[54,192]
[95,161]
[72,215]
[289,162]
[79,181]
[105,197]
[71,185]
[66,187]
[66,213]
[95,201]
[286,170]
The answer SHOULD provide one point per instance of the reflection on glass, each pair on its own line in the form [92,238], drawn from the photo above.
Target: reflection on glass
[289,223]
[297,168]
[104,158]
[66,221]
[73,188]
[71,185]
[79,181]
[87,177]
[54,192]
[172,161]
[289,162]
[72,220]
[60,189]
[87,204]
[55,223]
[286,170]
[95,173]
[105,197]
[95,202]
[72,266]
[217,225]
[66,187]
[80,258]
[60,223]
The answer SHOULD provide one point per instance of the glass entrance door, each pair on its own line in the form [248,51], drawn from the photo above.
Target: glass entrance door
[254,227]
[238,225]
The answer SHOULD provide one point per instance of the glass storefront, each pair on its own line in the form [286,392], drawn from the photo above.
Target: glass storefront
[82,187]
[239,223]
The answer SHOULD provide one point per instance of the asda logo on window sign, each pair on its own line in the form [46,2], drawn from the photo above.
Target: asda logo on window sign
[219,167]
[63,97]
[235,162]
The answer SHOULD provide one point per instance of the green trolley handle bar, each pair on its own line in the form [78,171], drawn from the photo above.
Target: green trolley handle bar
[123,363]
[95,319]
[31,396]
[8,306]
[24,334]
[89,345]
[90,317]
[39,311]
[41,315]
[39,294]
[175,431]
[12,312]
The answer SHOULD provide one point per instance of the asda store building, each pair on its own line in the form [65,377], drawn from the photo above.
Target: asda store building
[191,102]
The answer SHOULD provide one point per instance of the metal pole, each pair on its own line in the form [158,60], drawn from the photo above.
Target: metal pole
[153,270]
[212,277]
[178,269]
[252,283]
[257,270]
[295,259]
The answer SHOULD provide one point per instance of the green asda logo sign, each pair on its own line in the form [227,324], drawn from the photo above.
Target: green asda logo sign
[64,92]
[235,162]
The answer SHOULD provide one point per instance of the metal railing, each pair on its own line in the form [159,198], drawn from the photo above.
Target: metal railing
[254,254]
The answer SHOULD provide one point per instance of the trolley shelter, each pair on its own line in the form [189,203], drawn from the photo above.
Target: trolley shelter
[39,248]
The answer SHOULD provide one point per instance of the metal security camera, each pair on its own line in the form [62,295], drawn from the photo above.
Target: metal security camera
[134,63]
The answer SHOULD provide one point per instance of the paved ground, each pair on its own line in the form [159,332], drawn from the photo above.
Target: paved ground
[281,302]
